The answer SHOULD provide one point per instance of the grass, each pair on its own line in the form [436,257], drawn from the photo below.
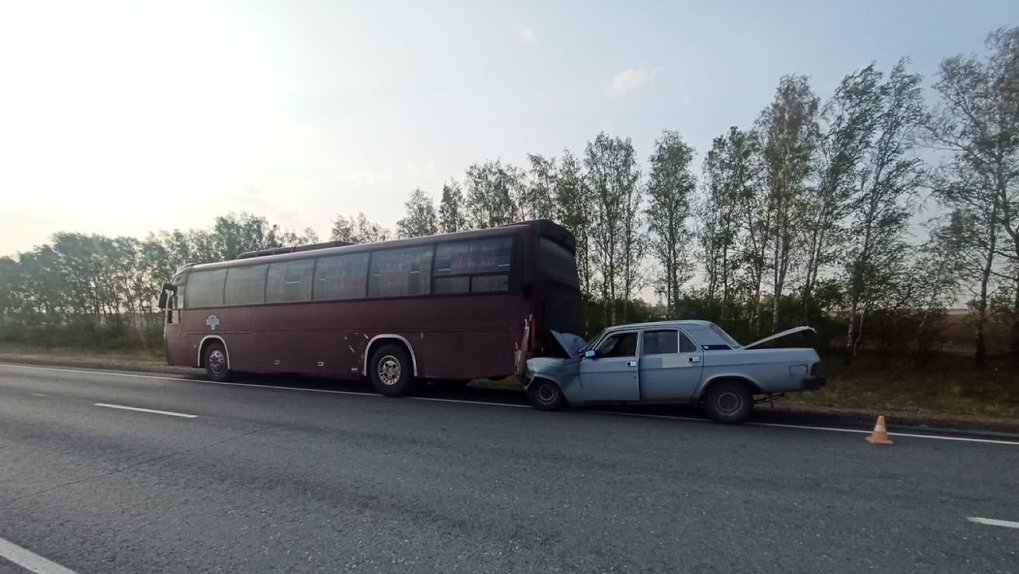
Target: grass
[79,356]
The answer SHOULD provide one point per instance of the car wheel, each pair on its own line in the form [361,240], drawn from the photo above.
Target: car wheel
[729,402]
[391,371]
[216,363]
[545,395]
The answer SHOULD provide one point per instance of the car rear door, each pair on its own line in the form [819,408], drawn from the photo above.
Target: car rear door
[612,375]
[670,366]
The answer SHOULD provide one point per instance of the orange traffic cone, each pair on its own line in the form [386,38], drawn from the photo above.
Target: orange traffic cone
[880,434]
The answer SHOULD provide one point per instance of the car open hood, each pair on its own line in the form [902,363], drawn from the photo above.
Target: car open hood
[570,343]
[785,333]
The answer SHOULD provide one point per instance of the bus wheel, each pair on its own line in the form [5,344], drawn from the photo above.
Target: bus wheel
[545,395]
[391,371]
[215,362]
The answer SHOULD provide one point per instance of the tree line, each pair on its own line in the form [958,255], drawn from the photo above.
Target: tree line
[866,215]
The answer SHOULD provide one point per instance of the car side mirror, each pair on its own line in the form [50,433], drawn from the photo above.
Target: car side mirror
[590,354]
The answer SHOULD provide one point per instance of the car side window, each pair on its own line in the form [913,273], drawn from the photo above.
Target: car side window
[619,345]
[686,345]
[660,342]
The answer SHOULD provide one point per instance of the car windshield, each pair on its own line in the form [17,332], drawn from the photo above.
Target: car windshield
[591,342]
[725,336]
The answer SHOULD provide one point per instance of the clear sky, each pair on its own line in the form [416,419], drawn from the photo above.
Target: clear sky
[125,117]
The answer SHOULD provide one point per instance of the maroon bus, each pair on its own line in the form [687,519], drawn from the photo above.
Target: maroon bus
[450,307]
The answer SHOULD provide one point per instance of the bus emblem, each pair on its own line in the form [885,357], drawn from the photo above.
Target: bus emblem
[212,321]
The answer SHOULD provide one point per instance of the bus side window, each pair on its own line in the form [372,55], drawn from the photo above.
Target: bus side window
[341,277]
[289,281]
[400,272]
[205,288]
[245,285]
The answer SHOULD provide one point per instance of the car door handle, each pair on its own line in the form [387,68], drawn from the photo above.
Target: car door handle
[631,363]
[695,359]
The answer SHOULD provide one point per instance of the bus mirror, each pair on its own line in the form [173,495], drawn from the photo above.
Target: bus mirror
[164,294]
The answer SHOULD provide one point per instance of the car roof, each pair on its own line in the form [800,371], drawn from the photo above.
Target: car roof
[653,324]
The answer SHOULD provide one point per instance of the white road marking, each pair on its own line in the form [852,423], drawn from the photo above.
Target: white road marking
[436,399]
[645,416]
[910,435]
[282,388]
[153,411]
[38,395]
[993,522]
[29,560]
[491,404]
[92,372]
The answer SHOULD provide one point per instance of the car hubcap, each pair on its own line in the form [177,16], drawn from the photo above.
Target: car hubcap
[389,370]
[547,393]
[729,402]
[217,362]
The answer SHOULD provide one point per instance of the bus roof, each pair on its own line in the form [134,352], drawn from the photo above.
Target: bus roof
[543,227]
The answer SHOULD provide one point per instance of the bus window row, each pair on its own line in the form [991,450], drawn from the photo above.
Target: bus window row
[476,266]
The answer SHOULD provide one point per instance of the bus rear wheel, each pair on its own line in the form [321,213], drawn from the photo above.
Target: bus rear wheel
[391,371]
[215,362]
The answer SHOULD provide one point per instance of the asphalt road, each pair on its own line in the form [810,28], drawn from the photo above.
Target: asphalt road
[262,479]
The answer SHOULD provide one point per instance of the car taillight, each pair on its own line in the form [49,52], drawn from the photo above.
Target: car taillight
[815,370]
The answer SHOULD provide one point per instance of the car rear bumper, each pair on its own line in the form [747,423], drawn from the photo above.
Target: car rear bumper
[813,383]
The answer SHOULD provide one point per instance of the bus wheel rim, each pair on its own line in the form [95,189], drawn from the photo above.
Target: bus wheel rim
[729,402]
[217,362]
[547,393]
[389,370]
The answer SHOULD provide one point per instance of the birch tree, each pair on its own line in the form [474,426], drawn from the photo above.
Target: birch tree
[789,131]
[421,219]
[538,192]
[879,208]
[670,187]
[574,210]
[452,217]
[491,191]
[977,122]
[612,177]
[359,229]
[850,119]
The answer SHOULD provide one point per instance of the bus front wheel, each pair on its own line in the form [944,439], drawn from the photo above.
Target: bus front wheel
[391,370]
[215,362]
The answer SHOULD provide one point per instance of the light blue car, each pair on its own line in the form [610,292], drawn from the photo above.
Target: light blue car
[671,362]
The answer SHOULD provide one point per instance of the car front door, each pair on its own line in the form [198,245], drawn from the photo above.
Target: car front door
[612,373]
[670,366]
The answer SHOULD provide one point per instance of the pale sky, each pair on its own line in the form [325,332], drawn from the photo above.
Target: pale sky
[126,117]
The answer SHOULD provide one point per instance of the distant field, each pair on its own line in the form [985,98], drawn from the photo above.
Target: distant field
[958,334]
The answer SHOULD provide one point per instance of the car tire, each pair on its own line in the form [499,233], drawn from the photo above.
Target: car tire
[545,395]
[391,370]
[215,361]
[729,402]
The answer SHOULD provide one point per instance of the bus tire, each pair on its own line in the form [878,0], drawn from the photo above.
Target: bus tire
[215,362]
[391,370]
[545,395]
